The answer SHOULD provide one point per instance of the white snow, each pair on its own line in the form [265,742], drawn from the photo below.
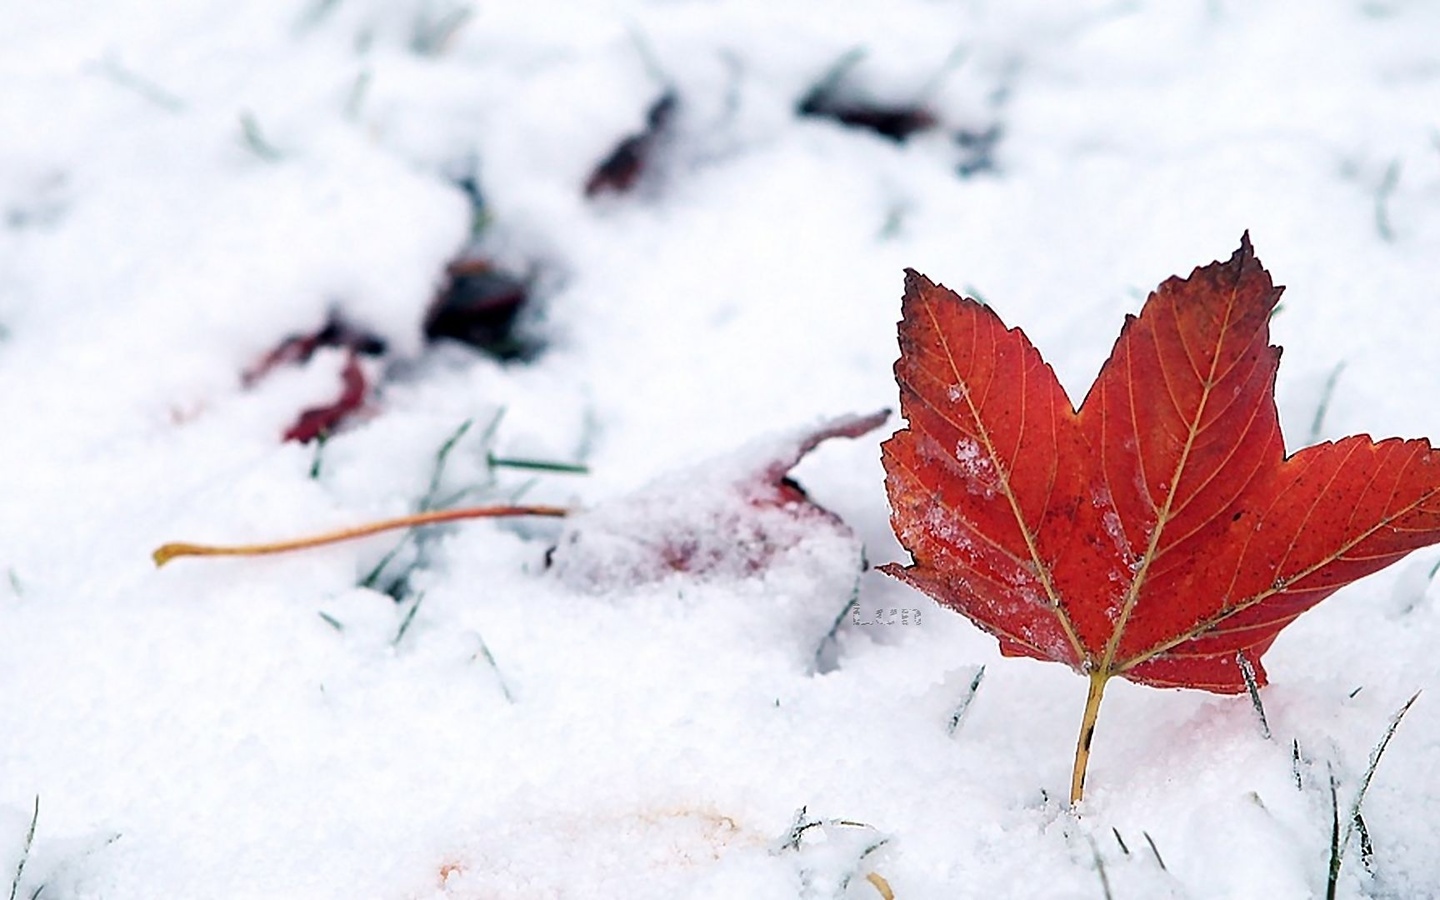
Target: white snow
[184,184]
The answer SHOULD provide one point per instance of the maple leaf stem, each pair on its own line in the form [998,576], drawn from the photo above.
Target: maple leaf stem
[167,552]
[1098,680]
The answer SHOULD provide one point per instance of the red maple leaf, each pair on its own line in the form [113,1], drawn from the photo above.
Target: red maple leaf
[1159,533]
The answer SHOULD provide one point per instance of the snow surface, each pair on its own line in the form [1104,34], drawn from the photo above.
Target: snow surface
[202,730]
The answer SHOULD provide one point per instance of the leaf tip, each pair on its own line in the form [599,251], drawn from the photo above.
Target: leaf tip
[894,570]
[1244,260]
[921,291]
[916,283]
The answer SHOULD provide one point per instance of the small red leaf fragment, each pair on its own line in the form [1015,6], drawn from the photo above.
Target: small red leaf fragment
[730,517]
[320,421]
[622,169]
[1158,532]
[298,348]
[831,98]
[479,305]
[896,122]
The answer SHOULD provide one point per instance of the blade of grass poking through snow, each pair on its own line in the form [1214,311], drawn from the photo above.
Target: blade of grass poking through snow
[493,462]
[798,827]
[168,552]
[499,676]
[1340,843]
[427,502]
[1334,877]
[804,823]
[409,617]
[953,60]
[25,851]
[1247,671]
[433,33]
[111,68]
[254,139]
[539,465]
[1375,757]
[860,864]
[1367,849]
[1100,868]
[442,458]
[966,699]
[1317,424]
[316,13]
[359,88]
[1382,201]
[1155,850]
[827,652]
[316,461]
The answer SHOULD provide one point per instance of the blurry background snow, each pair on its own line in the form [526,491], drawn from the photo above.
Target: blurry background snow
[183,185]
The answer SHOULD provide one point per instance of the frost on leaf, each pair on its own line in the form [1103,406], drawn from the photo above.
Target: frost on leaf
[1159,532]
[730,517]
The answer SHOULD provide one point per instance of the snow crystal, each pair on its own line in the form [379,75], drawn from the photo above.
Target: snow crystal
[970,457]
[1101,499]
[980,471]
[942,523]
